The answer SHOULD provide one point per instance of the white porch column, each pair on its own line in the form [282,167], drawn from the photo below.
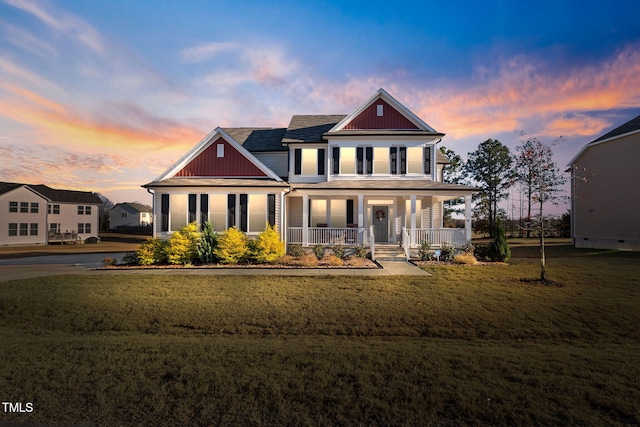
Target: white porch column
[284,231]
[413,219]
[360,218]
[305,220]
[467,217]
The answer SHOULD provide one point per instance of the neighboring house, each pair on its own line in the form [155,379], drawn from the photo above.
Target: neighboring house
[130,215]
[38,214]
[373,176]
[605,198]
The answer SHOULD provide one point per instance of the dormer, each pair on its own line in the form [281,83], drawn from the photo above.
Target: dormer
[382,139]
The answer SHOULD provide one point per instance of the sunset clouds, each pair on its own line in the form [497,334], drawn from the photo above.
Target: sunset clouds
[104,96]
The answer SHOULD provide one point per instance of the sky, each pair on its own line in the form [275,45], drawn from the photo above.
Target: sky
[104,96]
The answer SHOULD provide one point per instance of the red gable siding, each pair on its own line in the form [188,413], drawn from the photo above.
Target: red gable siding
[369,119]
[209,164]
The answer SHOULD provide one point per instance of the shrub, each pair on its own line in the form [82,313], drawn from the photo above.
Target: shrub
[481,252]
[208,244]
[465,258]
[108,262]
[309,260]
[182,247]
[131,258]
[467,248]
[153,251]
[498,250]
[233,246]
[332,260]
[318,250]
[338,251]
[446,252]
[268,247]
[296,250]
[361,251]
[424,251]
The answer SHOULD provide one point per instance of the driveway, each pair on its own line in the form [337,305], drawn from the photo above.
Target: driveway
[52,265]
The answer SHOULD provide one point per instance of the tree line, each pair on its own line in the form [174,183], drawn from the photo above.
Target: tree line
[494,169]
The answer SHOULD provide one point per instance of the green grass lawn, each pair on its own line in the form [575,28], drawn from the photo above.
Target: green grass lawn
[470,345]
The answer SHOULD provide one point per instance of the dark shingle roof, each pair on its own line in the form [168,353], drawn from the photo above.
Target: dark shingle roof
[54,195]
[630,126]
[258,139]
[310,128]
[133,207]
[5,187]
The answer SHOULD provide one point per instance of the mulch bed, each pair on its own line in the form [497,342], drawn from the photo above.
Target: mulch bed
[366,264]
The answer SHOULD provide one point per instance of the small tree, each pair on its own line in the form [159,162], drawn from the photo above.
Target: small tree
[183,245]
[268,246]
[208,244]
[499,248]
[233,246]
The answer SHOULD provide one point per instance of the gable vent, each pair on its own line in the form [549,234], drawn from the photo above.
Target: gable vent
[380,108]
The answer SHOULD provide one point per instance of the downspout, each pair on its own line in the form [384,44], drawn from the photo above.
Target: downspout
[153,210]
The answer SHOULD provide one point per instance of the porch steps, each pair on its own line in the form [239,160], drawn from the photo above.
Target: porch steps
[389,253]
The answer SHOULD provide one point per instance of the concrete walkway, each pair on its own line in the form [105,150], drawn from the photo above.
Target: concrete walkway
[25,268]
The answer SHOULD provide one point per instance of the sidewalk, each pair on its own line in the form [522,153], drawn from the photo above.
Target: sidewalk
[389,268]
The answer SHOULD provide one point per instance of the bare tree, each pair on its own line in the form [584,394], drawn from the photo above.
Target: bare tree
[103,211]
[545,181]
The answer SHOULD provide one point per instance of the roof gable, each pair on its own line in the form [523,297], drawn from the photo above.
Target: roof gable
[203,161]
[628,128]
[382,112]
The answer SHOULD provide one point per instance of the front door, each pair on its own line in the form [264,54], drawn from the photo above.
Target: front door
[380,223]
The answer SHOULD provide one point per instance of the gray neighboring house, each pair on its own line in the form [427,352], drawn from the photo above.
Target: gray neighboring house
[605,191]
[130,215]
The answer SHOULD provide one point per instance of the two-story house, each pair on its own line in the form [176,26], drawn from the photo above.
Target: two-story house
[371,177]
[38,214]
[130,215]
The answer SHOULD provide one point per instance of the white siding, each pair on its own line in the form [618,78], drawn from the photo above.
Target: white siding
[22,195]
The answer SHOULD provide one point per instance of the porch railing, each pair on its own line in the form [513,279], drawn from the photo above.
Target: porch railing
[372,243]
[438,236]
[325,236]
[355,236]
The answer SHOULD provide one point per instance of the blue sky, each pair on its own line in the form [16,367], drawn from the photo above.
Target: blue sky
[104,95]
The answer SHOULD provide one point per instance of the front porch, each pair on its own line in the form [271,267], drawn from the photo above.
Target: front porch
[354,236]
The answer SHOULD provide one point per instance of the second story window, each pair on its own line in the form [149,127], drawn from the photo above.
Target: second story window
[13,207]
[80,210]
[34,207]
[398,160]
[24,207]
[365,160]
[309,161]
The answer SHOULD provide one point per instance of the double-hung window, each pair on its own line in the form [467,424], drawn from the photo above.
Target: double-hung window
[365,160]
[398,160]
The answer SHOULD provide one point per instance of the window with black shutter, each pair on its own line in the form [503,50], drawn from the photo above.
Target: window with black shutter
[350,211]
[403,160]
[164,212]
[204,208]
[297,167]
[369,160]
[231,210]
[427,160]
[321,154]
[192,208]
[393,160]
[360,157]
[336,160]
[271,209]
[243,212]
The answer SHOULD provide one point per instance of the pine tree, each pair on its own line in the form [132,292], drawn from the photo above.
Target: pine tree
[499,248]
[208,244]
